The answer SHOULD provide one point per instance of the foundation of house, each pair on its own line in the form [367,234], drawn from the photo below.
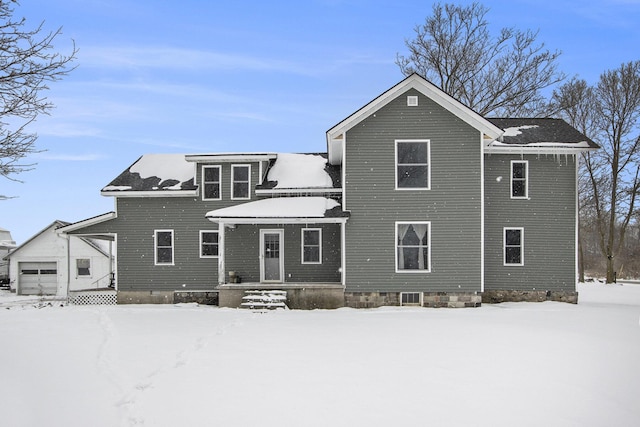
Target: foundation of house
[498,296]
[299,296]
[425,299]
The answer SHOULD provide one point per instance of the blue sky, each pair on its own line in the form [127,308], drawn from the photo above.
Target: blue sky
[200,76]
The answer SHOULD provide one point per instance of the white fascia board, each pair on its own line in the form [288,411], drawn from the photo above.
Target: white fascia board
[87,222]
[414,81]
[299,191]
[156,193]
[522,149]
[234,221]
[232,157]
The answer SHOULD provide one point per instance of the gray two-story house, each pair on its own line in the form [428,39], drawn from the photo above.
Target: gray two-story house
[417,201]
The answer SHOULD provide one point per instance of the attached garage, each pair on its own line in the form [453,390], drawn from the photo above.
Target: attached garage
[37,278]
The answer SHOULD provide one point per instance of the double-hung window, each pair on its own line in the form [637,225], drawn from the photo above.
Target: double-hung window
[413,247]
[519,178]
[208,244]
[211,183]
[240,182]
[83,267]
[412,165]
[163,247]
[513,246]
[311,246]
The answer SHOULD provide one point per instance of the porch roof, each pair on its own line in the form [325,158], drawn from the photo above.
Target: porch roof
[281,210]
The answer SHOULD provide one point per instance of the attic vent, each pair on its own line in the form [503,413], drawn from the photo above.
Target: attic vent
[412,101]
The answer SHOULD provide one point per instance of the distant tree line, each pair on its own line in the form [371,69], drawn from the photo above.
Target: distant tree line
[509,74]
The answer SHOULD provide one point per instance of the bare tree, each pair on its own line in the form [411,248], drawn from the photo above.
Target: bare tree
[499,75]
[609,112]
[27,65]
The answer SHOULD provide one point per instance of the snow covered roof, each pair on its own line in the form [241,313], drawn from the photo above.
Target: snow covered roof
[154,173]
[6,241]
[281,210]
[300,172]
[553,134]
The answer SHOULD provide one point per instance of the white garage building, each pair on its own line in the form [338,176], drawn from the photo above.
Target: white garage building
[54,264]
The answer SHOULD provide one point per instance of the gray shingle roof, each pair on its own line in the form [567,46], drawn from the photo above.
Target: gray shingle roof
[525,132]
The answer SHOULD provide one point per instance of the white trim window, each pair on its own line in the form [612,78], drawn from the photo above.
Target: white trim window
[163,241]
[519,179]
[240,182]
[211,180]
[411,298]
[413,159]
[312,246]
[83,267]
[209,246]
[513,244]
[413,247]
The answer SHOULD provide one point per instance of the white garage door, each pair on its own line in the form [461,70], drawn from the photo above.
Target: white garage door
[38,278]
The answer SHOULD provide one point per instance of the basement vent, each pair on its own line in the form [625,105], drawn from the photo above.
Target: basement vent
[412,101]
[411,298]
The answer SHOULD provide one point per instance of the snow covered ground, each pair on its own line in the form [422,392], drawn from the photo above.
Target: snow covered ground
[524,364]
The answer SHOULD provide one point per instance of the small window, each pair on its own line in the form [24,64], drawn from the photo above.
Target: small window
[410,298]
[413,249]
[211,183]
[311,246]
[412,165]
[83,267]
[164,247]
[240,181]
[519,173]
[513,246]
[208,244]
[412,101]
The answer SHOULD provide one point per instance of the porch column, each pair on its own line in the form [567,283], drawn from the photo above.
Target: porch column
[221,271]
[343,253]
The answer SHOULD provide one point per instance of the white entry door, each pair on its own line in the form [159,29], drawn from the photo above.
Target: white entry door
[271,256]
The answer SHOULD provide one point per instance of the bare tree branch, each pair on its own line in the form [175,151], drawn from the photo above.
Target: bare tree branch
[28,64]
[494,75]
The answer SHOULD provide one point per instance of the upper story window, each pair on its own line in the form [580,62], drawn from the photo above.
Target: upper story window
[413,247]
[211,183]
[163,247]
[519,179]
[208,244]
[412,165]
[513,246]
[311,246]
[241,182]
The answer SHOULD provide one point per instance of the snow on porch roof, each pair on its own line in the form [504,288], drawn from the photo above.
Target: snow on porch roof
[281,210]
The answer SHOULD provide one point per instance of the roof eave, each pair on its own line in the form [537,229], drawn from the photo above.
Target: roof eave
[527,149]
[428,89]
[151,193]
[278,220]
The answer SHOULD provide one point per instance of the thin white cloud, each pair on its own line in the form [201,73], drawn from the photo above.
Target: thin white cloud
[70,157]
[173,58]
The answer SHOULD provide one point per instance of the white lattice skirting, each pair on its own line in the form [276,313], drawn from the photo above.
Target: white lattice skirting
[94,298]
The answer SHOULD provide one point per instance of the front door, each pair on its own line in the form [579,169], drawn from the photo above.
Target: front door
[271,256]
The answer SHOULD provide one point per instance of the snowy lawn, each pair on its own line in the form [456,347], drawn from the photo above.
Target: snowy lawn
[524,364]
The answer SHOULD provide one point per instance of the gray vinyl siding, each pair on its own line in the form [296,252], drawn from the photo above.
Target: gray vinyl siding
[548,219]
[243,250]
[452,205]
[138,218]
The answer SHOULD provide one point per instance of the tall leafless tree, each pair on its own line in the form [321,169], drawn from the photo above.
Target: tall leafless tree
[501,75]
[610,113]
[28,64]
